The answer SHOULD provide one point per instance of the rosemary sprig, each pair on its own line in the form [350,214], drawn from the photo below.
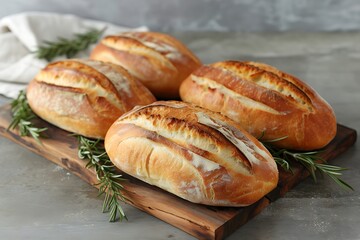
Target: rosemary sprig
[68,47]
[22,116]
[310,160]
[109,180]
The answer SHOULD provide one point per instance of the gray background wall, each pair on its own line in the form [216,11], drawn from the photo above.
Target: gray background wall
[205,15]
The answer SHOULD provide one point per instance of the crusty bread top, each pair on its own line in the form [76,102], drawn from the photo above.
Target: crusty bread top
[218,150]
[263,99]
[273,90]
[85,96]
[158,60]
[96,79]
[193,127]
[152,45]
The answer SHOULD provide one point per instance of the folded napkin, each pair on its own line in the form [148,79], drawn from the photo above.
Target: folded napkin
[21,34]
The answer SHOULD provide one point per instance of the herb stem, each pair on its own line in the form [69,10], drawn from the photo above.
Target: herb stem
[109,179]
[310,160]
[68,47]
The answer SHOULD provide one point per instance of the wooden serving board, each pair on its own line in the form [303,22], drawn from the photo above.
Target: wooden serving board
[201,221]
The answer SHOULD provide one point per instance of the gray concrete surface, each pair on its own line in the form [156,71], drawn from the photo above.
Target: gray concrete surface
[39,200]
[207,15]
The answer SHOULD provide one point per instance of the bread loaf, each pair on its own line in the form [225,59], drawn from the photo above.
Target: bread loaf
[193,153]
[85,96]
[263,100]
[158,60]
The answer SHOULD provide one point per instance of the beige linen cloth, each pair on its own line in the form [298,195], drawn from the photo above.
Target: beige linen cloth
[21,34]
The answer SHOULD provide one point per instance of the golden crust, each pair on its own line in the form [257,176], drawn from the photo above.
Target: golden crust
[85,96]
[158,60]
[193,153]
[263,100]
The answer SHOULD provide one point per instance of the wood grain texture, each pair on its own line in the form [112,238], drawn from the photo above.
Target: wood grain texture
[201,221]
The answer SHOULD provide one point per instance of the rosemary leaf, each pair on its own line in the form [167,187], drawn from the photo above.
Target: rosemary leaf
[283,163]
[22,116]
[109,179]
[68,47]
[310,160]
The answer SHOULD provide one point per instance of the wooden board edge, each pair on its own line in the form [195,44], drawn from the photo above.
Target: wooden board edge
[237,221]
